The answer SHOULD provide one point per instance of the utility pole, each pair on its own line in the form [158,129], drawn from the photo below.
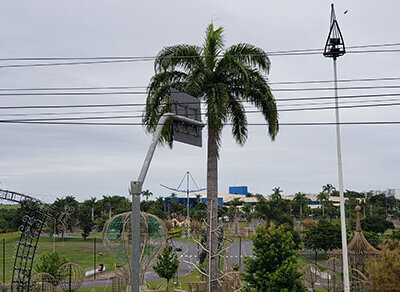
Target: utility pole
[4,261]
[94,258]
[335,48]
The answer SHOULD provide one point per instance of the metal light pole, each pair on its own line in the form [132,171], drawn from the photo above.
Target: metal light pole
[335,48]
[136,190]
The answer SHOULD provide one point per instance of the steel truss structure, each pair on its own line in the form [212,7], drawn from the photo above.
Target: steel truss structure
[30,229]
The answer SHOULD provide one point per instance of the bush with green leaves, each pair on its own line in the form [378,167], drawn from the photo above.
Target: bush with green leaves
[50,263]
[167,264]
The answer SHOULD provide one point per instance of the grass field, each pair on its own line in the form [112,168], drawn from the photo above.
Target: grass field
[81,252]
[75,250]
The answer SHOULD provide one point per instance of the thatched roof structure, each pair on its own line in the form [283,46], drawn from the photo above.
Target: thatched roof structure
[359,249]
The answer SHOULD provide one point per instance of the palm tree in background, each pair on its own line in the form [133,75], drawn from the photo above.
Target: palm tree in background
[147,194]
[277,193]
[322,197]
[329,189]
[223,80]
[301,200]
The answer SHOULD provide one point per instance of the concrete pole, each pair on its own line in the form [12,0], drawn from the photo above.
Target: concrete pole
[346,280]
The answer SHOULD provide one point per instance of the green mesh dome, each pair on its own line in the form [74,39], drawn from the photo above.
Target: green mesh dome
[117,238]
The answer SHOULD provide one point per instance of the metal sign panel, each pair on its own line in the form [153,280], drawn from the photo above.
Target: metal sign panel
[188,106]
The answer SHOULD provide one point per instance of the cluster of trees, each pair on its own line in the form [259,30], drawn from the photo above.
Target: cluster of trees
[91,214]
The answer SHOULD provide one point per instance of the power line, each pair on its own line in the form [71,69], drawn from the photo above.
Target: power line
[145,92]
[144,87]
[142,111]
[108,105]
[227,124]
[247,112]
[129,59]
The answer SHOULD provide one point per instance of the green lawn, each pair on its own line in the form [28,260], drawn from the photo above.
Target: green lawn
[302,262]
[75,250]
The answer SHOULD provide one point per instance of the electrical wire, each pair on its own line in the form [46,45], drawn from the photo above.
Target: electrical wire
[145,92]
[247,112]
[226,124]
[144,87]
[128,59]
[109,105]
[142,111]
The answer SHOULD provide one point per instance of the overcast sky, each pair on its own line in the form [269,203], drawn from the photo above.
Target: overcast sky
[51,161]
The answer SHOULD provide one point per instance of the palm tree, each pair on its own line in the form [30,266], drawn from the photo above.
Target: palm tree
[277,193]
[223,80]
[329,189]
[322,197]
[301,199]
[147,194]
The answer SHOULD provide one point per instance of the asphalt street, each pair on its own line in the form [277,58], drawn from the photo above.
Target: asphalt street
[190,254]
[233,252]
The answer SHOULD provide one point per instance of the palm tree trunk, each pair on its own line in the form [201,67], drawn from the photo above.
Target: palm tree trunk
[212,204]
[301,212]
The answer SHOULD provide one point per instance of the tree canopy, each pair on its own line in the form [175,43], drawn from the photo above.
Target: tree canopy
[273,267]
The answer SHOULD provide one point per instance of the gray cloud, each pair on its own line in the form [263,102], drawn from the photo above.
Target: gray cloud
[93,161]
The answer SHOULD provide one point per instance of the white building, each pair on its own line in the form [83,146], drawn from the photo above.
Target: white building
[394,193]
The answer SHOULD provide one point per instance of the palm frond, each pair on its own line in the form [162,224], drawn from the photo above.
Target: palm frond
[197,81]
[259,94]
[217,99]
[249,55]
[239,120]
[185,56]
[158,102]
[213,45]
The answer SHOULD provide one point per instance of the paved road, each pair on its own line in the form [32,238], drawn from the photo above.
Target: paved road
[189,253]
[233,252]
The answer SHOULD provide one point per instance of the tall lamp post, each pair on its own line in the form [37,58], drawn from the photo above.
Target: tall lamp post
[335,48]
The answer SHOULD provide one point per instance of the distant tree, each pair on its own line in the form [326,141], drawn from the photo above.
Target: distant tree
[49,263]
[384,270]
[372,238]
[199,212]
[147,194]
[264,210]
[276,193]
[176,209]
[247,209]
[301,200]
[323,197]
[273,267]
[85,220]
[323,236]
[167,264]
[329,189]
[376,224]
